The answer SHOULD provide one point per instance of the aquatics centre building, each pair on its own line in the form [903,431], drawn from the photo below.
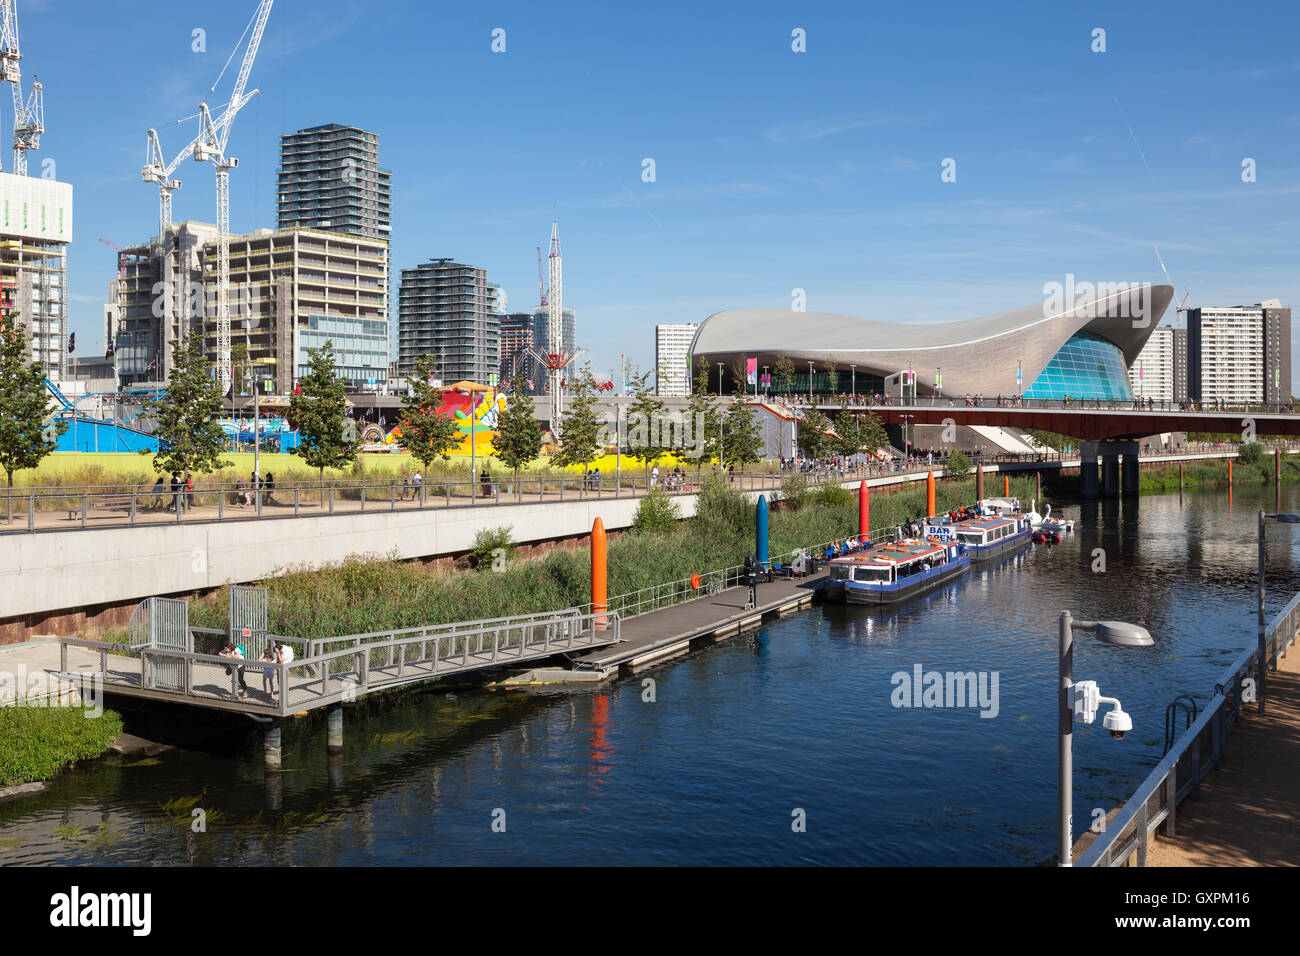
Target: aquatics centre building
[1078,344]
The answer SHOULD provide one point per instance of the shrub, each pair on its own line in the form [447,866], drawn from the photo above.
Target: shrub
[722,511]
[794,491]
[833,496]
[38,742]
[656,514]
[958,464]
[488,544]
[1250,453]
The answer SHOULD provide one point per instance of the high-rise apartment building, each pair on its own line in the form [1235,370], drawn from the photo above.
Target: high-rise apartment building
[541,339]
[1160,371]
[329,179]
[673,358]
[291,290]
[35,229]
[448,309]
[516,344]
[1239,355]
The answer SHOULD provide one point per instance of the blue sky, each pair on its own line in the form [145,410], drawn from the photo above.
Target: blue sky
[775,170]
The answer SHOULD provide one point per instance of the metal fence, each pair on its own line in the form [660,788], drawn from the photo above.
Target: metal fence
[159,622]
[63,508]
[360,663]
[1200,748]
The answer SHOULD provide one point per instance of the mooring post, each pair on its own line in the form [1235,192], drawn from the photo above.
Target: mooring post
[334,742]
[760,530]
[1006,486]
[979,482]
[599,592]
[929,493]
[1038,485]
[271,744]
[864,512]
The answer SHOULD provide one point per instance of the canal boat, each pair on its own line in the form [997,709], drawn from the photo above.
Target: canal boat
[985,537]
[892,573]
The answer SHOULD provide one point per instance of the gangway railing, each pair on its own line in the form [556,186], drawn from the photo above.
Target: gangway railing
[362,665]
[1199,749]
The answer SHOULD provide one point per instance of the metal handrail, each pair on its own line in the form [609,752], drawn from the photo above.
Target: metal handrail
[1130,831]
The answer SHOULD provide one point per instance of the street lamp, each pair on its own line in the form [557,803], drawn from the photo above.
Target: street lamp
[853,381]
[1083,699]
[1262,670]
[938,383]
[810,384]
[719,380]
[767,382]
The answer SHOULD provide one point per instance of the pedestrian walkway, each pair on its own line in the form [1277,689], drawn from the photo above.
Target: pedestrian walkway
[1248,808]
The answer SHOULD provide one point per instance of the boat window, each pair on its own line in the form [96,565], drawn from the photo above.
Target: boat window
[872,575]
[840,572]
[970,537]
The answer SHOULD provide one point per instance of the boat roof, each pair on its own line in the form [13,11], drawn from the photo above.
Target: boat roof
[984,523]
[892,553]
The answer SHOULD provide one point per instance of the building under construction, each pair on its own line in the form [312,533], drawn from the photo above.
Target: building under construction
[290,290]
[35,229]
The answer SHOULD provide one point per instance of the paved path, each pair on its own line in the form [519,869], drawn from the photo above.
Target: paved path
[1247,814]
[672,626]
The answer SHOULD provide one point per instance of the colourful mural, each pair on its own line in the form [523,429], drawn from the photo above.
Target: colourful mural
[475,409]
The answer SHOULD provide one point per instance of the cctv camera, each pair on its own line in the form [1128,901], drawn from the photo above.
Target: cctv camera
[1117,722]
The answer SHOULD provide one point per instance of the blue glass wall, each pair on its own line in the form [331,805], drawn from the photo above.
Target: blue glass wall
[1087,366]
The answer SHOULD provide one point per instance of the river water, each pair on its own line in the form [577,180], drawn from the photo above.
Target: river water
[782,746]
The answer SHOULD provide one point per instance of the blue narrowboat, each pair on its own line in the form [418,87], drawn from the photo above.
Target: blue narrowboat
[985,537]
[892,573]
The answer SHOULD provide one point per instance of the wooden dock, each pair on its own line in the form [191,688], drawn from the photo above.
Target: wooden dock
[669,632]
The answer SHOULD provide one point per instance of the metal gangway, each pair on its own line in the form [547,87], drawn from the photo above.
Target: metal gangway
[160,660]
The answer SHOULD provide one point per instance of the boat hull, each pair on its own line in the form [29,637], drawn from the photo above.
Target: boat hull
[980,553]
[882,595]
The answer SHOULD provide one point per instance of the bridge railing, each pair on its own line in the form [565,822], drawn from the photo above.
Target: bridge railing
[1194,754]
[347,672]
[832,402]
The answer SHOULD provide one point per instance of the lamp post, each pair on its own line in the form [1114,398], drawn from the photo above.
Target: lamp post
[853,381]
[1262,670]
[1084,698]
[938,383]
[719,380]
[767,382]
[810,384]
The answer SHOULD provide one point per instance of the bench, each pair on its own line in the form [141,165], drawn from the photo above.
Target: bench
[101,503]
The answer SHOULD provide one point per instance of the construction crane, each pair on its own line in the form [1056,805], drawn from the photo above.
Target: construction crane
[211,148]
[541,284]
[1182,308]
[29,117]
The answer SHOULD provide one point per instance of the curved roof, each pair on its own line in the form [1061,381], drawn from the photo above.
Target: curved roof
[976,355]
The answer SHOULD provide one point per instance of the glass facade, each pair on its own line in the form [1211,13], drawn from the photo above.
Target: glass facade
[360,347]
[1087,366]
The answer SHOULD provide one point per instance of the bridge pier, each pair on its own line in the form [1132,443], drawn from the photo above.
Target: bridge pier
[271,744]
[1088,469]
[334,722]
[1109,475]
[1130,477]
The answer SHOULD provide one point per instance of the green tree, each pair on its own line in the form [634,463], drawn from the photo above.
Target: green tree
[190,438]
[958,464]
[649,433]
[518,438]
[704,421]
[27,433]
[812,434]
[871,433]
[742,440]
[327,437]
[783,372]
[580,439]
[848,428]
[426,434]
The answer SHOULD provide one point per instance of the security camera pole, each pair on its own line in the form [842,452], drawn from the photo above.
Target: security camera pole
[1118,633]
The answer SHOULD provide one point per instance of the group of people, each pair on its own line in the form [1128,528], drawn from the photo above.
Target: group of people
[278,653]
[181,490]
[245,491]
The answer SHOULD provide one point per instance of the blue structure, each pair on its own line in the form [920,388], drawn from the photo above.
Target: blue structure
[1086,366]
[88,434]
[760,530]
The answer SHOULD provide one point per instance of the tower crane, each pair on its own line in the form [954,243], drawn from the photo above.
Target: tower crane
[1182,308]
[29,117]
[210,147]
